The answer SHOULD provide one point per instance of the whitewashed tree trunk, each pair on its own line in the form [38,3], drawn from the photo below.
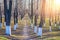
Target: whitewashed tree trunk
[55,25]
[39,31]
[0,25]
[8,30]
[35,29]
[32,26]
[15,27]
[5,24]
[50,28]
[44,24]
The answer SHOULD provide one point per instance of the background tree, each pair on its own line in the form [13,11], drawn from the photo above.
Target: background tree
[36,17]
[16,15]
[5,10]
[0,17]
[41,18]
[22,8]
[8,9]
[32,13]
[29,11]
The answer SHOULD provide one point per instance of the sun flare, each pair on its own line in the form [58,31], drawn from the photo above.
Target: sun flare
[57,2]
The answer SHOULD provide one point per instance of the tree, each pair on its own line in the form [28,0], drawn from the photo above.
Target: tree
[36,17]
[29,11]
[7,10]
[16,15]
[41,18]
[55,20]
[0,17]
[50,20]
[22,8]
[32,13]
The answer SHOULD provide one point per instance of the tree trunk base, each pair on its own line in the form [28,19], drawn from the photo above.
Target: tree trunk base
[44,24]
[15,26]
[0,25]
[39,31]
[50,29]
[32,26]
[35,29]
[55,25]
[4,23]
[8,30]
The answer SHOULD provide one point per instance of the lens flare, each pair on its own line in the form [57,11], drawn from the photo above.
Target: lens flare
[57,2]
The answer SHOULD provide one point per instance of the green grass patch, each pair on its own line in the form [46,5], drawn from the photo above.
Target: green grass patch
[53,38]
[3,38]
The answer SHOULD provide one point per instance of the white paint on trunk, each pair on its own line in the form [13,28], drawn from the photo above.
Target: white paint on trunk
[31,25]
[4,23]
[39,31]
[55,25]
[44,25]
[0,25]
[15,27]
[17,24]
[50,28]
[8,30]
[35,29]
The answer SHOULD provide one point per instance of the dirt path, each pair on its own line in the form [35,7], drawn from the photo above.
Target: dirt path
[22,33]
[25,33]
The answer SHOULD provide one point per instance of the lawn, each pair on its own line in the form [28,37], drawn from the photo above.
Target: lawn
[53,38]
[3,38]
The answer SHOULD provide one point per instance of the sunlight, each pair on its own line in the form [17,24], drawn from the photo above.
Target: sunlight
[53,6]
[57,2]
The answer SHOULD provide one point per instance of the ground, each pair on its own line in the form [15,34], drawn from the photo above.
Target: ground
[25,32]
[53,35]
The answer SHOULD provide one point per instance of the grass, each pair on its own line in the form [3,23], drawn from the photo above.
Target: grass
[3,38]
[54,35]
[22,22]
[53,38]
